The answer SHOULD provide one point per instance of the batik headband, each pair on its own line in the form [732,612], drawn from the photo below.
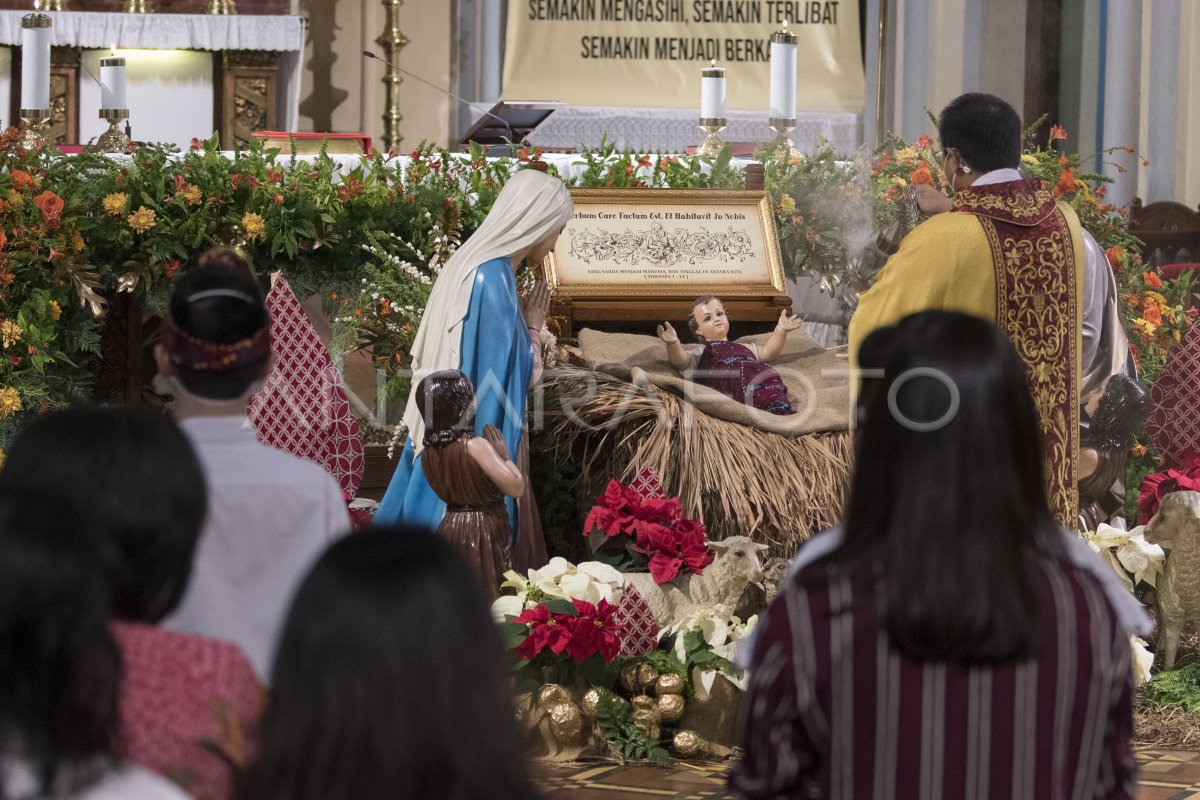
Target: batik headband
[188,352]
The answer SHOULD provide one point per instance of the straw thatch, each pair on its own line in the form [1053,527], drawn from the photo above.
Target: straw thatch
[737,480]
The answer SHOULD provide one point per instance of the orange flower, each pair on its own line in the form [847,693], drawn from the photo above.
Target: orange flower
[20,178]
[923,142]
[1064,160]
[1066,182]
[142,220]
[644,162]
[1057,133]
[1152,280]
[3,239]
[1138,450]
[921,175]
[1153,315]
[51,206]
[1115,254]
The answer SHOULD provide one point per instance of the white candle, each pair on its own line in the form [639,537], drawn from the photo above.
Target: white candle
[783,74]
[112,83]
[712,92]
[35,61]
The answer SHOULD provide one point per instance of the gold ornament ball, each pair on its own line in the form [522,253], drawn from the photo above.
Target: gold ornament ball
[643,703]
[668,684]
[647,721]
[670,707]
[590,703]
[689,744]
[647,675]
[566,723]
[629,677]
[551,695]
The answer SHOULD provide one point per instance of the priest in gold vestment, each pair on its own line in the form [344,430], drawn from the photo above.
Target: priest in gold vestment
[1008,251]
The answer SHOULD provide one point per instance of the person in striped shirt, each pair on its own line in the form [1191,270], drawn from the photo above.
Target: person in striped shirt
[951,646]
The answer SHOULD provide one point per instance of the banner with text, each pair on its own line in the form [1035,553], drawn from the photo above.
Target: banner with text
[649,53]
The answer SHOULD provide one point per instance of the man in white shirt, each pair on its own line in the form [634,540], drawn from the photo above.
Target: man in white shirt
[271,514]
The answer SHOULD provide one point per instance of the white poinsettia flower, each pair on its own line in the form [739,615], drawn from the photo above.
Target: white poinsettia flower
[603,573]
[513,580]
[579,586]
[507,605]
[547,578]
[715,631]
[1143,659]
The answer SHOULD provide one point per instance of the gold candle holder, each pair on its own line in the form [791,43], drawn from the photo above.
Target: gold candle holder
[222,7]
[55,5]
[139,6]
[33,127]
[114,139]
[783,141]
[712,144]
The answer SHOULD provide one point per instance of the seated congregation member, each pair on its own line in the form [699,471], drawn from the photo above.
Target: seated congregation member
[269,513]
[391,683]
[189,704]
[734,369]
[60,670]
[950,645]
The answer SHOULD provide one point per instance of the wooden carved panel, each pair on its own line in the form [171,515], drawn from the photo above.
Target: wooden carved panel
[248,81]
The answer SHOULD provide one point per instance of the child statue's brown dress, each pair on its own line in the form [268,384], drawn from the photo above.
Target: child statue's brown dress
[476,521]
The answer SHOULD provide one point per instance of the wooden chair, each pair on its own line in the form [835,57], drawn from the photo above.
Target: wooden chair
[1170,230]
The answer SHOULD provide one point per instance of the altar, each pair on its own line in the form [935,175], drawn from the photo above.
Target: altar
[188,74]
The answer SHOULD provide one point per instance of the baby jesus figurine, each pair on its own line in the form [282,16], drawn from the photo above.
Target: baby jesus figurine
[736,370]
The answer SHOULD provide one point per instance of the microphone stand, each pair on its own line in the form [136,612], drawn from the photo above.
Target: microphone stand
[493,149]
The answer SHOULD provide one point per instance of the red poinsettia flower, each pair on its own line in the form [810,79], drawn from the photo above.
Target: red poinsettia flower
[1160,484]
[545,630]
[673,549]
[593,631]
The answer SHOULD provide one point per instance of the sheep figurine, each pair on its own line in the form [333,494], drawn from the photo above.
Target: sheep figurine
[1176,526]
[722,582]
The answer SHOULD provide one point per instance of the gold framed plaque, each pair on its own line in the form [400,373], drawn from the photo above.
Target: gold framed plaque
[648,243]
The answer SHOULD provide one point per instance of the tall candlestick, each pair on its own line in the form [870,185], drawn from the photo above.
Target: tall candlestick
[35,60]
[712,92]
[783,74]
[112,82]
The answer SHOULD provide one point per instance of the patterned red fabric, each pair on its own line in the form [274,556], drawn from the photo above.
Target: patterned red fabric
[647,484]
[1038,308]
[639,633]
[302,408]
[189,707]
[1173,423]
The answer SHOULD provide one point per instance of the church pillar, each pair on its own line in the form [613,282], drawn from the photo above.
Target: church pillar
[1165,161]
[1122,73]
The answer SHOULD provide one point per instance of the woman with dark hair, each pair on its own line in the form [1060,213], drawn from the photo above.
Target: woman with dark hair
[953,643]
[187,702]
[390,683]
[59,668]
[470,474]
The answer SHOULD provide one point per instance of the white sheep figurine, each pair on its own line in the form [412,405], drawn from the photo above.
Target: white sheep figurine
[722,582]
[1176,526]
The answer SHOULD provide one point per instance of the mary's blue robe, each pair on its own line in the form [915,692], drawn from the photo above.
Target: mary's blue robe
[497,355]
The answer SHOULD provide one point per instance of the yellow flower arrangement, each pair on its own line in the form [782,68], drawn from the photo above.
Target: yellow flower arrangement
[142,220]
[55,309]
[794,159]
[906,154]
[254,225]
[787,204]
[10,401]
[10,332]
[114,204]
[191,194]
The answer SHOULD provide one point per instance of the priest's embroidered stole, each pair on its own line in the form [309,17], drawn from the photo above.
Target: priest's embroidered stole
[1038,308]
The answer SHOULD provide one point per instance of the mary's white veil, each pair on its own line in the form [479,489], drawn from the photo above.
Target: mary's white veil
[531,206]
